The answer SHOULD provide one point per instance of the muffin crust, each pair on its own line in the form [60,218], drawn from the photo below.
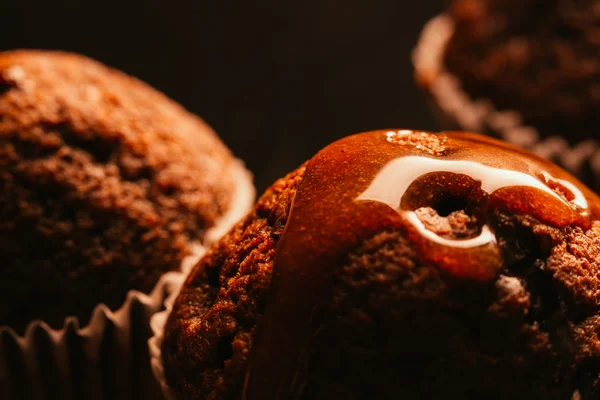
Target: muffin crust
[104,184]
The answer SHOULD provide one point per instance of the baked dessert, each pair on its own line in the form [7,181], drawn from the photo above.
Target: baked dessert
[105,185]
[399,264]
[524,71]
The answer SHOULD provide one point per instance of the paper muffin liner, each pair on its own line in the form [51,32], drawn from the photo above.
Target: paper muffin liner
[157,325]
[108,358]
[455,109]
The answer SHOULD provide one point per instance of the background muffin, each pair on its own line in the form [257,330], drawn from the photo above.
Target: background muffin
[371,306]
[105,184]
[524,71]
[540,58]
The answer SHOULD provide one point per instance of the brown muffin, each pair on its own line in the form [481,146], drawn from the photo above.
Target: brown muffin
[541,58]
[399,265]
[105,184]
[525,71]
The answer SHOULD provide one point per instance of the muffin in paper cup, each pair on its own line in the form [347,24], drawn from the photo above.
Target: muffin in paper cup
[490,45]
[102,360]
[108,190]
[394,245]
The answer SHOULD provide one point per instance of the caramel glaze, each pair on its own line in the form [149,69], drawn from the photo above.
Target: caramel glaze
[375,181]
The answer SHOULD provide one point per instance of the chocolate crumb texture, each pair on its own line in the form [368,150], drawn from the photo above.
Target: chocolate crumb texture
[104,185]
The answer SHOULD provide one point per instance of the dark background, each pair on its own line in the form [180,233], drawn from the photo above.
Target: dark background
[277,80]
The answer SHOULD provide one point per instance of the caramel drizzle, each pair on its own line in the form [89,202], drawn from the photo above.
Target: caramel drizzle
[367,183]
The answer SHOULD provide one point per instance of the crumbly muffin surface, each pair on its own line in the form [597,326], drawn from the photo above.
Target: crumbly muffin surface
[104,183]
[209,332]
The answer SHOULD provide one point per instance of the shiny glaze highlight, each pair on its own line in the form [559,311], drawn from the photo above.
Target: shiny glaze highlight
[375,181]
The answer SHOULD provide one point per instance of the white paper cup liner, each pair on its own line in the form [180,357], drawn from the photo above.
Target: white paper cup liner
[108,358]
[157,324]
[455,109]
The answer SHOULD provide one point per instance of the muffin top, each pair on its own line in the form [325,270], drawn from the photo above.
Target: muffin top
[104,185]
[539,57]
[399,264]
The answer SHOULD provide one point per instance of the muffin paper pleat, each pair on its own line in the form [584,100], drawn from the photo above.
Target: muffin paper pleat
[157,324]
[455,109]
[104,360]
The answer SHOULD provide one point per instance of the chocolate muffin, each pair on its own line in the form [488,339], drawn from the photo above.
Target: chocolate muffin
[105,185]
[525,71]
[399,264]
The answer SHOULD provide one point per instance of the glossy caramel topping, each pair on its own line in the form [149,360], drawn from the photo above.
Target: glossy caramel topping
[376,181]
